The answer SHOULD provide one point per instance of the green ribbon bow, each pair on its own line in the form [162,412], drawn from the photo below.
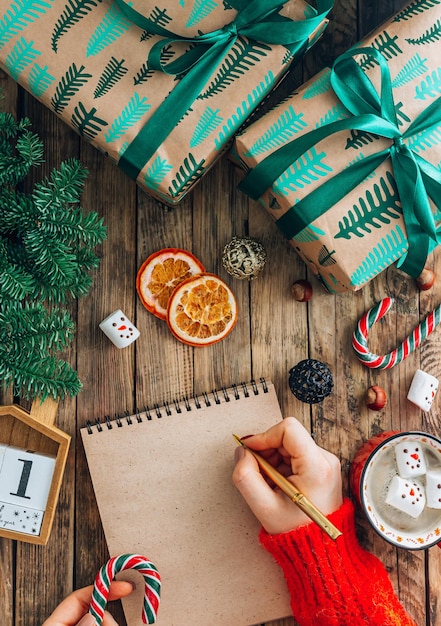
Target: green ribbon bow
[257,20]
[417,180]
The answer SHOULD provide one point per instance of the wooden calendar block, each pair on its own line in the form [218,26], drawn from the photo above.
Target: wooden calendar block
[26,478]
[34,457]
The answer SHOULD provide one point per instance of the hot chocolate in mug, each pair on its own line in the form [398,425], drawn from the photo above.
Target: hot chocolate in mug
[395,478]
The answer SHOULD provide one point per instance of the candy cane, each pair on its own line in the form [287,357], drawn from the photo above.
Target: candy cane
[411,343]
[107,573]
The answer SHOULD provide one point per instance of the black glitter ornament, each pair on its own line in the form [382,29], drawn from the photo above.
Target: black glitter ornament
[311,381]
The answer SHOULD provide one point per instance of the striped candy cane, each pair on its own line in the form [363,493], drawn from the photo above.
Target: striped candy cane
[411,343]
[107,573]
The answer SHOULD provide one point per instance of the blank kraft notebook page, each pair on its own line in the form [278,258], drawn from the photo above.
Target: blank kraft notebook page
[162,480]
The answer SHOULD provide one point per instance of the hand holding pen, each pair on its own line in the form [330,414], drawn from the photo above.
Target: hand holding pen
[313,471]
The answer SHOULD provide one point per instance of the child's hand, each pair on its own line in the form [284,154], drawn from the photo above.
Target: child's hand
[73,610]
[314,471]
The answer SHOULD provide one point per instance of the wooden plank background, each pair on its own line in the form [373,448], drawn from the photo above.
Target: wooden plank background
[273,333]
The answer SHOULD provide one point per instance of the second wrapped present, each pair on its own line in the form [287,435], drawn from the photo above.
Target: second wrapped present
[350,165]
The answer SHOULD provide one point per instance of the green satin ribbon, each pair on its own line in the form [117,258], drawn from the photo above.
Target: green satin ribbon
[417,180]
[257,20]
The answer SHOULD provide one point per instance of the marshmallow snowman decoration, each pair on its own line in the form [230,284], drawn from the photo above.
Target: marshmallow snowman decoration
[406,495]
[410,459]
[119,329]
[407,491]
[422,390]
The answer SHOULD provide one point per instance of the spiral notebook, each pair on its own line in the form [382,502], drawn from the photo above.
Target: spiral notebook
[162,480]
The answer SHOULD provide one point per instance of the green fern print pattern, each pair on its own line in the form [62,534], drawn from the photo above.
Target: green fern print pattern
[308,234]
[130,115]
[201,8]
[279,133]
[157,172]
[430,87]
[112,26]
[431,35]
[19,16]
[112,73]
[321,85]
[243,55]
[390,248]
[426,139]
[74,11]
[21,56]
[244,111]
[415,67]
[68,86]
[39,80]
[190,171]
[208,122]
[87,123]
[414,8]
[303,172]
[378,207]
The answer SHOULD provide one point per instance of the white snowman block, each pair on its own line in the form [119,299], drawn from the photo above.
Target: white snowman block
[406,495]
[410,459]
[422,390]
[433,488]
[26,478]
[119,329]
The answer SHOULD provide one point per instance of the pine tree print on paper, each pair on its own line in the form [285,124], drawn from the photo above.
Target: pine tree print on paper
[430,87]
[426,139]
[69,86]
[308,234]
[279,133]
[39,80]
[130,115]
[20,14]
[303,172]
[243,55]
[337,112]
[386,45]
[208,122]
[22,54]
[86,122]
[156,173]
[358,139]
[243,112]
[145,72]
[200,10]
[431,35]
[390,248]
[160,18]
[112,73]
[74,11]
[377,208]
[189,172]
[416,66]
[113,25]
[319,86]
[415,8]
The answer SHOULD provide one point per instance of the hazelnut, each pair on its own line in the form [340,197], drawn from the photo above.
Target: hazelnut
[426,279]
[301,290]
[375,398]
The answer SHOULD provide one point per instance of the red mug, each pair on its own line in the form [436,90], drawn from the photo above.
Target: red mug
[370,474]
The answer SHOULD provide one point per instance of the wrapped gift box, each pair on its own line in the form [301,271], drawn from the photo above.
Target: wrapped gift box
[92,65]
[333,180]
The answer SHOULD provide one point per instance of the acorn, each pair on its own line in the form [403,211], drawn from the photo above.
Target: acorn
[375,398]
[301,290]
[426,279]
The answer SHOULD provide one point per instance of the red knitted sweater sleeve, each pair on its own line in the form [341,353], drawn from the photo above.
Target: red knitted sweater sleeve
[335,583]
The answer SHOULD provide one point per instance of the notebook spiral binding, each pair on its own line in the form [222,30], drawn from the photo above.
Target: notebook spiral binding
[235,392]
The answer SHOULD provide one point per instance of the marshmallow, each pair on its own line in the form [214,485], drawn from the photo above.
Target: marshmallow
[422,390]
[407,496]
[410,459]
[433,488]
[119,329]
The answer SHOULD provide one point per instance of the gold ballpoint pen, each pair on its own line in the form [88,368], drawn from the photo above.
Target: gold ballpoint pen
[293,493]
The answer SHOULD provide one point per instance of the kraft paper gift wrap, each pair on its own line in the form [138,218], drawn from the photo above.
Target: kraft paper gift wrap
[161,105]
[349,166]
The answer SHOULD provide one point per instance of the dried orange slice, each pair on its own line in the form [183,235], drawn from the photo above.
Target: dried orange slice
[202,310]
[161,273]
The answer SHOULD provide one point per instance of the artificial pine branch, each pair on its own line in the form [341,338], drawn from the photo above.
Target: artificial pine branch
[47,244]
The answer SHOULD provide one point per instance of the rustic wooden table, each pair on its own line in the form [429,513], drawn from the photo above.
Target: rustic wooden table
[273,333]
